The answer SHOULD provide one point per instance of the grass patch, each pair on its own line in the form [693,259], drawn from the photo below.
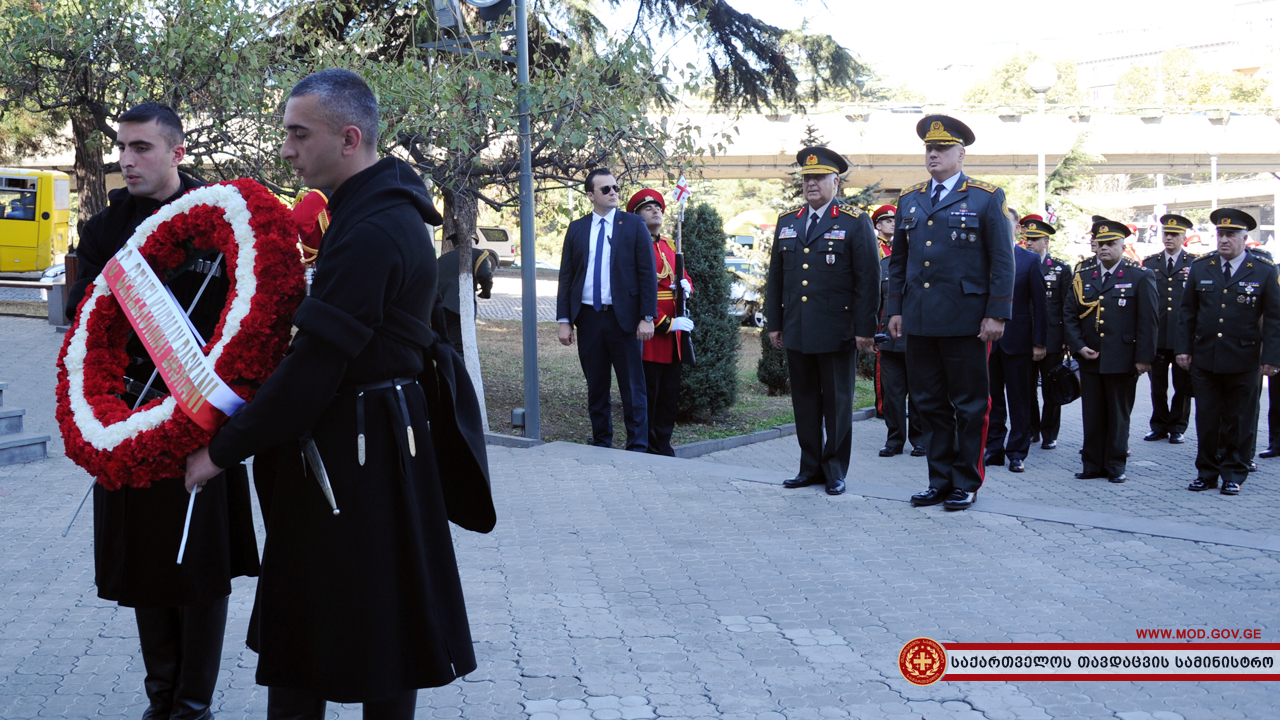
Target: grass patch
[563,389]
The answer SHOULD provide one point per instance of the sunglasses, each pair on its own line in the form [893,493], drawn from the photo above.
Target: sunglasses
[609,189]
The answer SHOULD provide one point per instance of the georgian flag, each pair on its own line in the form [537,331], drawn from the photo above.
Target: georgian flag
[682,190]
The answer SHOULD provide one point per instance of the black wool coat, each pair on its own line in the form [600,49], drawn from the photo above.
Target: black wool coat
[366,604]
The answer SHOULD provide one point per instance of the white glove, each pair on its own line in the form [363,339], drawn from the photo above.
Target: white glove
[682,323]
[688,287]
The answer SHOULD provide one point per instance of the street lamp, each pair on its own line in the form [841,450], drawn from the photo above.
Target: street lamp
[1041,76]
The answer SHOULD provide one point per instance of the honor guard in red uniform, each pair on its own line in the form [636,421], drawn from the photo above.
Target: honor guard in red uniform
[671,346]
[884,218]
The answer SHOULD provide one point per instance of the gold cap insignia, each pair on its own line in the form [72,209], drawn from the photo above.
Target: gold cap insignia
[811,160]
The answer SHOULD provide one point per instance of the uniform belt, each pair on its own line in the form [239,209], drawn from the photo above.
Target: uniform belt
[398,384]
[666,295]
[603,308]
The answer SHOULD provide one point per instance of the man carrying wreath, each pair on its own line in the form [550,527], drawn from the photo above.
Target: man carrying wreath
[364,605]
[181,610]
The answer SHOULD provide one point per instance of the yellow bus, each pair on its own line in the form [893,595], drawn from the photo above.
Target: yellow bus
[35,206]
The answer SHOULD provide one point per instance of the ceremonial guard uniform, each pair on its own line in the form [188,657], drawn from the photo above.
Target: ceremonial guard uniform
[1046,422]
[181,609]
[822,293]
[481,274]
[884,243]
[902,420]
[951,267]
[668,350]
[1230,327]
[367,604]
[1113,312]
[1169,418]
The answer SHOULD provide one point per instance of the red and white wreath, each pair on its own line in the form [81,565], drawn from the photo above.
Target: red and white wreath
[256,233]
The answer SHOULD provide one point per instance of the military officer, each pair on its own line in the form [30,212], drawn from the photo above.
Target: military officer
[893,398]
[1228,328]
[1169,418]
[1057,276]
[1110,324]
[884,218]
[822,293]
[950,292]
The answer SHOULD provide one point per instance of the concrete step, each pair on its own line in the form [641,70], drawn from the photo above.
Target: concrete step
[23,448]
[11,420]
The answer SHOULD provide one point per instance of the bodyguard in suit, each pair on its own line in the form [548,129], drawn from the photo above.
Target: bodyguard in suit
[1010,363]
[901,417]
[1057,277]
[1169,418]
[822,293]
[609,292]
[1229,328]
[1111,319]
[950,292]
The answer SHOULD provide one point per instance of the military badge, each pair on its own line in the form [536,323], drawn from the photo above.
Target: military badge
[834,235]
[1122,302]
[831,259]
[787,232]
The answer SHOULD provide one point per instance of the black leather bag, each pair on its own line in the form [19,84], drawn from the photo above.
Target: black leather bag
[1062,384]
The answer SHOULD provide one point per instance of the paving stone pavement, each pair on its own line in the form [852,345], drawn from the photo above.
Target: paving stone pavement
[619,586]
[505,301]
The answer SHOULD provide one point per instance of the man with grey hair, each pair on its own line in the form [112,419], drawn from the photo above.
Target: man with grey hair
[364,605]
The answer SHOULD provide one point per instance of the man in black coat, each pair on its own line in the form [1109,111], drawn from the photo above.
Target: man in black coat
[950,293]
[1057,277]
[822,292]
[1169,418]
[609,291]
[364,606]
[1010,363]
[1228,330]
[181,610]
[481,272]
[1110,315]
[902,420]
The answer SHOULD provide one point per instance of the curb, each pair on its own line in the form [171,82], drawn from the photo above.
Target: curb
[511,441]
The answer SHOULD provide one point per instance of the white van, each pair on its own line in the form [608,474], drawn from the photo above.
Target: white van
[502,243]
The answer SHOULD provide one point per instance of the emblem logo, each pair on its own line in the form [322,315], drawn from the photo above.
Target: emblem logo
[922,661]
[831,259]
[811,160]
[936,126]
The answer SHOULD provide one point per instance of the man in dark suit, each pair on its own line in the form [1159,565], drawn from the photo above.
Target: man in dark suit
[1229,328]
[1169,418]
[950,293]
[609,292]
[481,273]
[822,292]
[1010,362]
[902,419]
[1111,320]
[1057,276]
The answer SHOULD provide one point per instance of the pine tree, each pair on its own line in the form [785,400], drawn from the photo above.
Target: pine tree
[710,387]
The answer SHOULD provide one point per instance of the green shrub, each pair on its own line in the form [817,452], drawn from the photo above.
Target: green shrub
[710,387]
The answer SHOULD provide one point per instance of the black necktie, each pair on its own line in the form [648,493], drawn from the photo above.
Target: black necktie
[1169,271]
[813,223]
[937,192]
[1226,271]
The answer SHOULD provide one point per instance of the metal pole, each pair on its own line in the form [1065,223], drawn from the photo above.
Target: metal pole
[1213,179]
[1040,156]
[528,259]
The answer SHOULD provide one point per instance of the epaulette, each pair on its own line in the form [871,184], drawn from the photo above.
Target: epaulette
[1206,256]
[850,210]
[983,185]
[1261,254]
[1262,259]
[914,188]
[1153,256]
[792,211]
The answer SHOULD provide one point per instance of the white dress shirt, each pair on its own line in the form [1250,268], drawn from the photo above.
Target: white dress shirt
[1171,258]
[588,285]
[947,186]
[1234,265]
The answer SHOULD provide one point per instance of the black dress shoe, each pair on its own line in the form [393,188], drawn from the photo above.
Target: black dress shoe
[1016,466]
[1089,475]
[1230,488]
[1252,466]
[1269,453]
[1118,478]
[932,496]
[1153,435]
[800,481]
[993,459]
[1049,445]
[1177,438]
[1035,437]
[835,486]
[1201,484]
[918,451]
[887,451]
[960,500]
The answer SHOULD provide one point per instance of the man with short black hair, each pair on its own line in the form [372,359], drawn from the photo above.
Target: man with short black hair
[365,606]
[181,610]
[1169,417]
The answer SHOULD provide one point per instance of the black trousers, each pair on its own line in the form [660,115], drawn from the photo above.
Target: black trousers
[603,345]
[896,404]
[1226,409]
[182,652]
[1106,404]
[1273,412]
[453,326]
[299,704]
[1010,401]
[822,387]
[1169,416]
[948,377]
[663,382]
[1046,421]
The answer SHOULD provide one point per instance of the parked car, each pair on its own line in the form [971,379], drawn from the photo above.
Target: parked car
[502,242]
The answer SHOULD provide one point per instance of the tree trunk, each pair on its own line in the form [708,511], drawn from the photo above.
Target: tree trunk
[91,181]
[460,210]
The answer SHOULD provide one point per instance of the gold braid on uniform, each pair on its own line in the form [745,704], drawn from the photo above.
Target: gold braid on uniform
[309,254]
[1092,307]
[664,267]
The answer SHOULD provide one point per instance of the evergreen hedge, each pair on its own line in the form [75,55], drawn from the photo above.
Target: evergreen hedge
[710,387]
